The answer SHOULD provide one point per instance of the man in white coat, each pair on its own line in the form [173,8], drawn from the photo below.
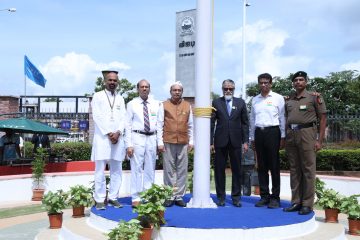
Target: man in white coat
[109,115]
[140,140]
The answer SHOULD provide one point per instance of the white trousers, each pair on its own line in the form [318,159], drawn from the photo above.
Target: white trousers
[100,182]
[142,164]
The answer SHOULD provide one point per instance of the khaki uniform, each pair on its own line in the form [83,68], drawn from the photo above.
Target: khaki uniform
[301,115]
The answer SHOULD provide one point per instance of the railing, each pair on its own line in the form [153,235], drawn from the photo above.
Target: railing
[343,127]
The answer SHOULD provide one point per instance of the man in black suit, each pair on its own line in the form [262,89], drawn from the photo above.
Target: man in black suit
[229,133]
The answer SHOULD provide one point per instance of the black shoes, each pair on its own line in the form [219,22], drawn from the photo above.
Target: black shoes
[262,202]
[305,210]
[237,203]
[293,208]
[180,203]
[168,203]
[221,203]
[274,203]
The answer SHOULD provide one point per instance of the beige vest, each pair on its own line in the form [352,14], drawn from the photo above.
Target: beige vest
[176,117]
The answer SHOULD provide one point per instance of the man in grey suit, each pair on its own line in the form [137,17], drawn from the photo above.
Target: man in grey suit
[229,133]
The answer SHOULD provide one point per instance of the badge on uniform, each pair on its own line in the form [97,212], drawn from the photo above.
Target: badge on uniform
[302,107]
[319,100]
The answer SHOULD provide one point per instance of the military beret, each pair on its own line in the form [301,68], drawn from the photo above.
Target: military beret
[299,74]
[104,72]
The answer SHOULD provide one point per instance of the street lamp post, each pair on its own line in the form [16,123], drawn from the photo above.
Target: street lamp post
[9,9]
[246,4]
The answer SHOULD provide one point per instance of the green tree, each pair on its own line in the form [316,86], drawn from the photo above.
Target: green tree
[125,88]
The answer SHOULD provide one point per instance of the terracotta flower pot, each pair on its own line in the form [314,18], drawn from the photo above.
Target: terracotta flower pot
[78,212]
[37,194]
[331,215]
[146,234]
[354,227]
[55,220]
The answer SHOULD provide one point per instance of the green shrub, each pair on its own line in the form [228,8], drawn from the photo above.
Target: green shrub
[76,151]
[331,160]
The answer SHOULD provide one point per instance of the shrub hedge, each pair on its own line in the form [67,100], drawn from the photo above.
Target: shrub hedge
[327,159]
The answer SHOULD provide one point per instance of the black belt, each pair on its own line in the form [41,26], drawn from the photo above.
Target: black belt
[145,133]
[265,128]
[296,127]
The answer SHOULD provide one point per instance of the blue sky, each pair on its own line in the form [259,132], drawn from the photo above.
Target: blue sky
[72,41]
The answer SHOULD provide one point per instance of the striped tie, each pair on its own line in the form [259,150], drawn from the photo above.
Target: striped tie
[146,118]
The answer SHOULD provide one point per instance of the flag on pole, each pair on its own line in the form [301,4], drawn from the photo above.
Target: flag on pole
[33,73]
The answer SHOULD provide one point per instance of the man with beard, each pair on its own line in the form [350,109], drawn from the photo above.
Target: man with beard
[229,134]
[108,109]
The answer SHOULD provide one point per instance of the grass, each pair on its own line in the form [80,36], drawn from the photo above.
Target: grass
[20,211]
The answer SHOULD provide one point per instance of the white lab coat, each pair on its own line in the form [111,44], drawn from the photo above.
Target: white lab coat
[102,148]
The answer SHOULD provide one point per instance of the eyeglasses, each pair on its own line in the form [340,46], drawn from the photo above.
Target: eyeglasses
[264,83]
[228,89]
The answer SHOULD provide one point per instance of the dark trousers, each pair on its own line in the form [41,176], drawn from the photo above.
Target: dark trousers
[221,156]
[267,144]
[246,172]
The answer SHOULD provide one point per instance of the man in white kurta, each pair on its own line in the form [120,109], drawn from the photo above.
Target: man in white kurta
[109,116]
[140,140]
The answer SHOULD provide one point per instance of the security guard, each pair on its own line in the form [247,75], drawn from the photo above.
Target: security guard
[303,111]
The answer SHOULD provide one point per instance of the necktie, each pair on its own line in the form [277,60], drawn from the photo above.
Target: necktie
[228,106]
[146,118]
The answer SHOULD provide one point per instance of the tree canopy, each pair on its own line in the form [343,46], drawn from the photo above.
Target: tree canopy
[340,90]
[125,88]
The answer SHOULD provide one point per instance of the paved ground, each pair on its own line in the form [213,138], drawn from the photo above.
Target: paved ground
[28,226]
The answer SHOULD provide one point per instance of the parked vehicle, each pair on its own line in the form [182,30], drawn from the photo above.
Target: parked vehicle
[72,137]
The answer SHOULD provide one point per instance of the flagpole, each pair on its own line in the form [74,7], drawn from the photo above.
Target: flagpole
[23,106]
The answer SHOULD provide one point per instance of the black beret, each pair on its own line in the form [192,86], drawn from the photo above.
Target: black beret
[104,72]
[299,74]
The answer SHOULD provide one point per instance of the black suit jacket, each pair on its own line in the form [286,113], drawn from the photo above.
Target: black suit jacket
[225,128]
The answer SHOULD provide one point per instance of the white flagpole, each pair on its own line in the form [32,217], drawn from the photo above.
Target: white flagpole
[203,76]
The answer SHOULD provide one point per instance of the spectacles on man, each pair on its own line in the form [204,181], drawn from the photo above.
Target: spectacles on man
[264,83]
[228,89]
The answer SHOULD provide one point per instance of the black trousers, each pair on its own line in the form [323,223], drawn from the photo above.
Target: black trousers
[221,156]
[267,144]
[246,172]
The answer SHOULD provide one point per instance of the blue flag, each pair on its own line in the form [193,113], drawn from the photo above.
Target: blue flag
[33,73]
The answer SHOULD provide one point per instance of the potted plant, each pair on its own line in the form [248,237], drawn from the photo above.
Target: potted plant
[157,195]
[130,230]
[79,197]
[330,201]
[54,203]
[350,206]
[38,168]
[319,187]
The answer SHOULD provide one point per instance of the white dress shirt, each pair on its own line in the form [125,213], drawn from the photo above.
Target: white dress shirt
[266,112]
[135,117]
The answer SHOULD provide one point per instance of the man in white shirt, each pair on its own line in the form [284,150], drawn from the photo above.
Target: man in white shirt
[175,139]
[108,109]
[267,134]
[140,140]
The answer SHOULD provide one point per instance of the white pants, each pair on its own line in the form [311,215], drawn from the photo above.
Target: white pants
[100,182]
[142,164]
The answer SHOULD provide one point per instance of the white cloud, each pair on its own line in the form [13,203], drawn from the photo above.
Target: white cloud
[74,74]
[168,61]
[351,66]
[263,51]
